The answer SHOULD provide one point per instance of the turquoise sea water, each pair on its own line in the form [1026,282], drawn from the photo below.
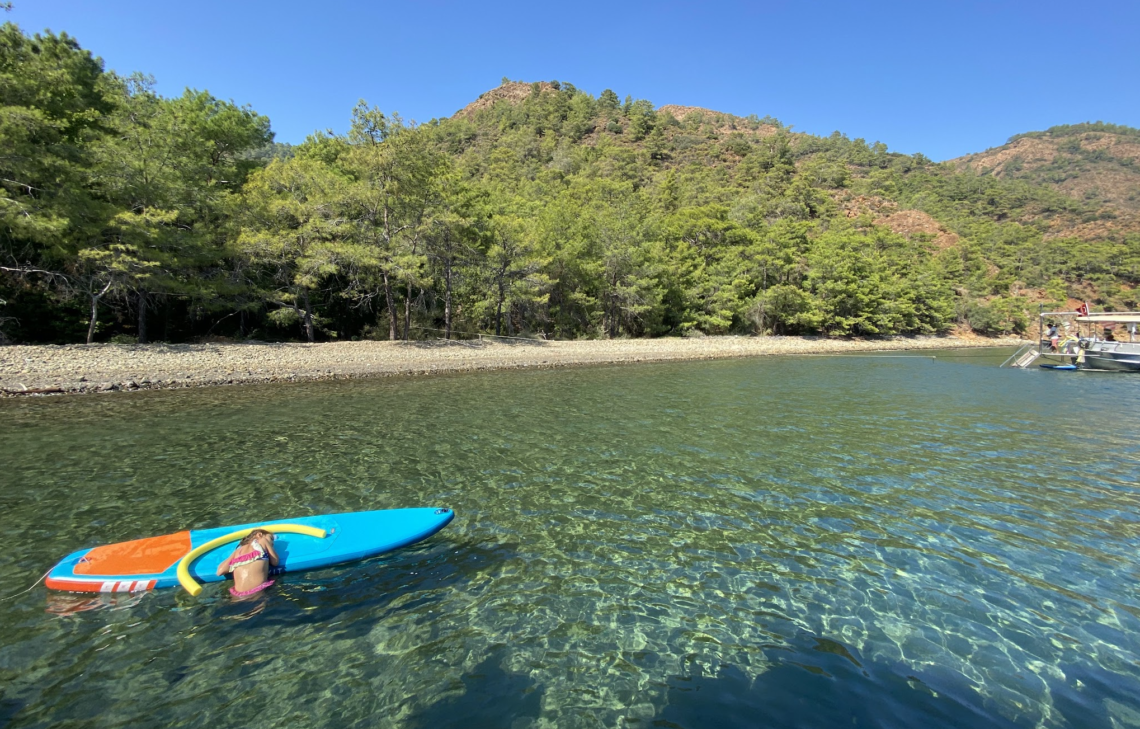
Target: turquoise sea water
[801,542]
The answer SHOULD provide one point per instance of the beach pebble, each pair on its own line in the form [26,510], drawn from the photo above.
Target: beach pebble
[73,368]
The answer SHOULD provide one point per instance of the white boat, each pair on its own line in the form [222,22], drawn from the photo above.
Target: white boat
[1087,342]
[1108,354]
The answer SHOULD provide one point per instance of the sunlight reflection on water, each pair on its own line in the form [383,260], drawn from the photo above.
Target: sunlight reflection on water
[794,542]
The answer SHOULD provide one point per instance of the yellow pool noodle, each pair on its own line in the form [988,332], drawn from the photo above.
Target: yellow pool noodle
[183,570]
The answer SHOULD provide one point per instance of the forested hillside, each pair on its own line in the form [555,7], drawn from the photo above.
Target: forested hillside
[538,210]
[1097,163]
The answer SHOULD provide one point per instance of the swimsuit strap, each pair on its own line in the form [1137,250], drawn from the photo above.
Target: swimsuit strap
[247,558]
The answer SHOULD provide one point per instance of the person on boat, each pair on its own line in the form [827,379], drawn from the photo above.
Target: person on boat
[1108,335]
[250,563]
[1054,337]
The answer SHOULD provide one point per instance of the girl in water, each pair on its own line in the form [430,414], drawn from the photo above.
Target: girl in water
[250,563]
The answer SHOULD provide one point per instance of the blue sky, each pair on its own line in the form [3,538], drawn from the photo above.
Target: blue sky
[942,78]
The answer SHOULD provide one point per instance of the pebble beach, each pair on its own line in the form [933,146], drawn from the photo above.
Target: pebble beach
[52,370]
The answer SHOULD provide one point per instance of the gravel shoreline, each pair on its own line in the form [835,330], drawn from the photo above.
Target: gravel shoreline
[47,370]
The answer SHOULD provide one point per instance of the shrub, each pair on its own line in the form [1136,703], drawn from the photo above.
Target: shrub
[1004,315]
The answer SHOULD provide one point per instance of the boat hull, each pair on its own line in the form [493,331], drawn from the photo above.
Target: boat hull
[151,563]
[1110,356]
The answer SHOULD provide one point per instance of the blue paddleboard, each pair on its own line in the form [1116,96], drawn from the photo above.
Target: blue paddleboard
[148,564]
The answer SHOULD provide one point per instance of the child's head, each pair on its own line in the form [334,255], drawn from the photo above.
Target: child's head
[255,534]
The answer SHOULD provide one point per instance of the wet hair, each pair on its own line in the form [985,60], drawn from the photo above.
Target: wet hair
[253,535]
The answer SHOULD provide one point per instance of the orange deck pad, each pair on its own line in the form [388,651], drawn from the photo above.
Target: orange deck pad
[149,556]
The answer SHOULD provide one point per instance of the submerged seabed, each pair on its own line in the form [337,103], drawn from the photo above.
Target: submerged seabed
[774,542]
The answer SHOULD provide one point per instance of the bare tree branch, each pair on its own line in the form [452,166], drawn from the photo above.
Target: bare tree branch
[27,270]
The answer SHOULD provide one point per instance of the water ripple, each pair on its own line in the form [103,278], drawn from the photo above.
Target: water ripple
[792,542]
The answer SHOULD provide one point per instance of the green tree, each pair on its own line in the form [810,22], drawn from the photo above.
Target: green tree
[53,103]
[786,309]
[608,101]
[395,169]
[296,236]
[641,119]
[454,239]
[170,168]
[513,270]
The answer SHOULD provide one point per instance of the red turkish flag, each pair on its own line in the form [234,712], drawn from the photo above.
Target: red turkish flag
[1083,309]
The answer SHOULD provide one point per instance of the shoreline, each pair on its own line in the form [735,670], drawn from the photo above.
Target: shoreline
[36,370]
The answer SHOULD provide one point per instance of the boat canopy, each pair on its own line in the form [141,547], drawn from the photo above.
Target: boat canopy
[1124,317]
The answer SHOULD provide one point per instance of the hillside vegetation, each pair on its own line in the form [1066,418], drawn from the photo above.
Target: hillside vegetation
[1098,164]
[538,209]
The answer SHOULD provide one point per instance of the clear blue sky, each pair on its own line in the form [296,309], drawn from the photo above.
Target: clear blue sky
[939,77]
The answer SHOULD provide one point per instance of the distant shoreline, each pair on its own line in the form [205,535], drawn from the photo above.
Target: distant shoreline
[72,369]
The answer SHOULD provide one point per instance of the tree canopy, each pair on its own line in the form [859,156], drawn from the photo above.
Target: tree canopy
[543,211]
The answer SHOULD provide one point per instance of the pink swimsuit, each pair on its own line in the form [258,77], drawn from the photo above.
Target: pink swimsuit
[243,593]
[249,558]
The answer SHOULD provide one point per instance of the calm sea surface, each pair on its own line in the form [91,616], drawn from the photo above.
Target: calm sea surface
[784,542]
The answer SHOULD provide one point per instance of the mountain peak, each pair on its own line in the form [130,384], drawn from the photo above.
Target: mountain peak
[511,91]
